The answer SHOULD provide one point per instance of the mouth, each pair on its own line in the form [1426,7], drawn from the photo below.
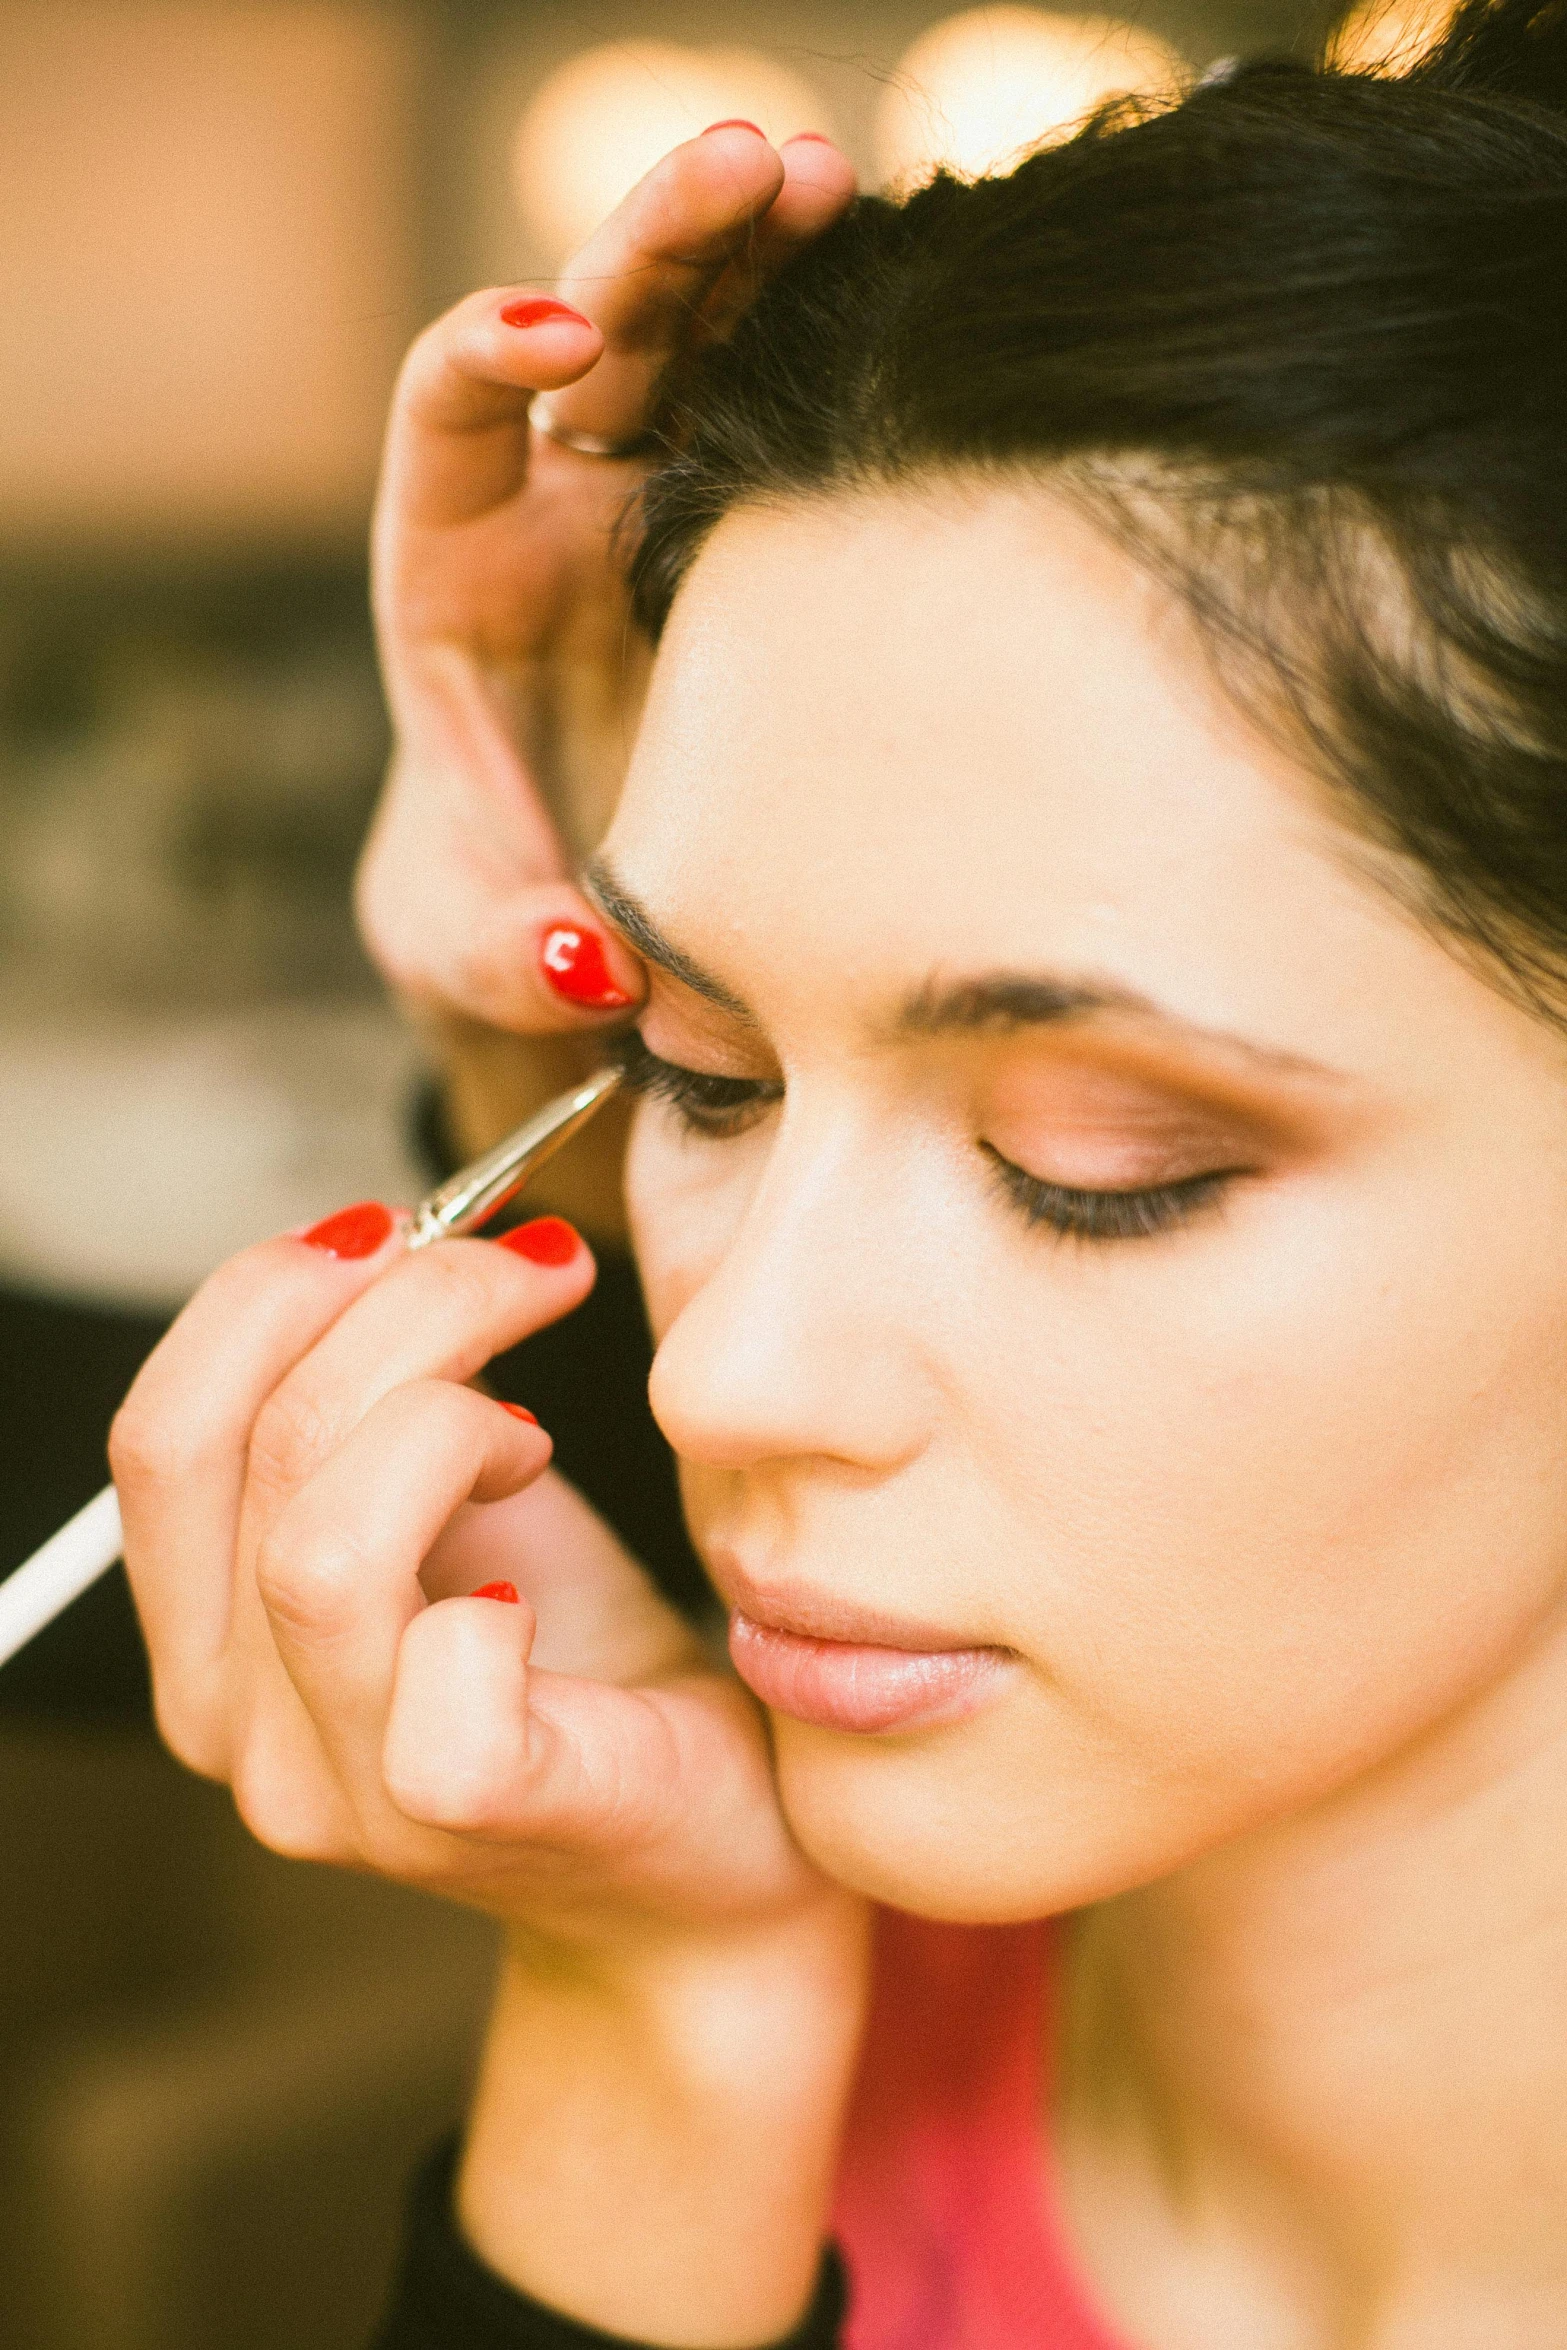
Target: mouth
[843,1668]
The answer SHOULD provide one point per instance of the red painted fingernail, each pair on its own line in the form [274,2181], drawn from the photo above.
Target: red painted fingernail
[817,139]
[506,1591]
[520,1411]
[577,968]
[352,1232]
[735,122]
[548,1240]
[539,309]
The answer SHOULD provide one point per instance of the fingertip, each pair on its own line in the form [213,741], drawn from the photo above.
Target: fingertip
[730,167]
[546,342]
[353,1234]
[818,172]
[585,968]
[455,1738]
[545,1240]
[528,313]
[526,1457]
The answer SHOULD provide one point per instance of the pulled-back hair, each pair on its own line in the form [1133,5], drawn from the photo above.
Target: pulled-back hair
[1300,341]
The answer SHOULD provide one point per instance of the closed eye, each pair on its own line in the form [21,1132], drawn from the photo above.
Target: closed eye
[1109,1215]
[704,1102]
[719,1107]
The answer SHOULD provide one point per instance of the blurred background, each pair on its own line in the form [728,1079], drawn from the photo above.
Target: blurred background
[220,223]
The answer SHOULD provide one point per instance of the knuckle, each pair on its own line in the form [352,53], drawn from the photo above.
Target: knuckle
[411,1777]
[278,1812]
[255,1792]
[292,1435]
[462,1793]
[448,1423]
[149,1450]
[460,1770]
[446,1414]
[187,1730]
[307,1582]
[270,1819]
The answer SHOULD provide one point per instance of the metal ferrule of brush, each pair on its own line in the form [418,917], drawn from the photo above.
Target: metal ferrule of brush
[479,1192]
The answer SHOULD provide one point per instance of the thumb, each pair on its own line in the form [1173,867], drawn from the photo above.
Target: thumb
[666,1789]
[468,1747]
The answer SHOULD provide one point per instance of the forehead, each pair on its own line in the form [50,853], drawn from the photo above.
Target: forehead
[927,728]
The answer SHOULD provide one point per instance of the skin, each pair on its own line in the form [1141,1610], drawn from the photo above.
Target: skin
[1263,1513]
[512,681]
[1268,1508]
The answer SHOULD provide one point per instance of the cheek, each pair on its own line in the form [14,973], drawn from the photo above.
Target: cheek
[1241,1584]
[1304,1493]
[685,1199]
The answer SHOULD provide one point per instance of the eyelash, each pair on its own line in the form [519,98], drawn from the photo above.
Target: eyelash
[1107,1215]
[717,1107]
[720,1107]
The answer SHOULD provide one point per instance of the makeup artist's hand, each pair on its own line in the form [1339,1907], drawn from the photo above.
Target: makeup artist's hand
[513,674]
[314,1499]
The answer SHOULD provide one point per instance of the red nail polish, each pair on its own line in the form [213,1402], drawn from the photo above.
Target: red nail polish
[576,967]
[506,1591]
[817,139]
[520,1411]
[352,1232]
[539,310]
[735,122]
[548,1240]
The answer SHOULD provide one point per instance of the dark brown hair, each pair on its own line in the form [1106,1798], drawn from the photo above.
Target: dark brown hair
[1301,341]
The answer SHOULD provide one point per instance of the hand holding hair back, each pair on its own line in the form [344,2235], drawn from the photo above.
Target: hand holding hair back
[501,610]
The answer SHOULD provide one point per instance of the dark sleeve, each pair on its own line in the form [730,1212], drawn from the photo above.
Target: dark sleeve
[446,2299]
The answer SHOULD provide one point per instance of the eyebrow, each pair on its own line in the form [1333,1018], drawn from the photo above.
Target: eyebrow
[639,930]
[998,1001]
[1004,1000]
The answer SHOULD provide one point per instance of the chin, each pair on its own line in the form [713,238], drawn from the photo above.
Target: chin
[944,1823]
[1001,1817]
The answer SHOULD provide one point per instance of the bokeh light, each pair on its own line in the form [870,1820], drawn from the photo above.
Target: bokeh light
[604,118]
[1387,36]
[979,91]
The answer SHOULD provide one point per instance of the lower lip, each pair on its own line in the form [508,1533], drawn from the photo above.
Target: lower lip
[844,1685]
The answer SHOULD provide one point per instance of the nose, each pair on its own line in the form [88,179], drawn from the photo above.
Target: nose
[799,1341]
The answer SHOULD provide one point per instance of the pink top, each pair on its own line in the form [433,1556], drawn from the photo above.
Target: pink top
[943,2209]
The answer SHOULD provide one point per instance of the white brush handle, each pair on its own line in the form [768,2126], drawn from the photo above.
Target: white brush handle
[44,1585]
[89,1544]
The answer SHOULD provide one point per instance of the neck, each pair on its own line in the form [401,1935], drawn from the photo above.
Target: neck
[1314,2088]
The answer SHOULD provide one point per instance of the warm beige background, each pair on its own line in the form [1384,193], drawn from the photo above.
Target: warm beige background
[205,263]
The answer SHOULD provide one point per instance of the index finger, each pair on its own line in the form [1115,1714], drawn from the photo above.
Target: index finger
[457,438]
[706,223]
[711,220]
[457,442]
[178,1444]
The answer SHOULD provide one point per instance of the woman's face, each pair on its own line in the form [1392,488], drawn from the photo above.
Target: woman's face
[1126,1262]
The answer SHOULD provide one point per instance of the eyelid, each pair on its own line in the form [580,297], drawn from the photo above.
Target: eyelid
[707,1101]
[645,1068]
[1139,1212]
[717,1106]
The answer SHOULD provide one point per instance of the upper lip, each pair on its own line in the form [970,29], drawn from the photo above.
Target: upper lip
[819,1615]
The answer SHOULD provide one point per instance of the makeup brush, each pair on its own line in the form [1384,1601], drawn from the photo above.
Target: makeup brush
[88,1544]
